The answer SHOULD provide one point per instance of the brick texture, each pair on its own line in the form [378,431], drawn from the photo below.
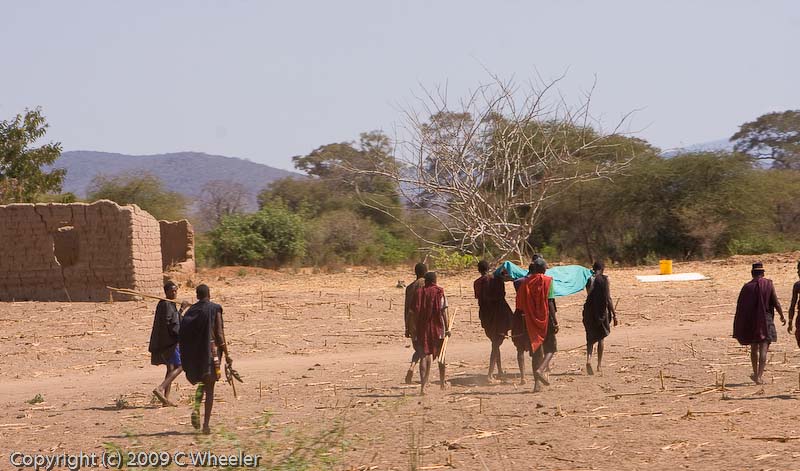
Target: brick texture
[60,252]
[177,246]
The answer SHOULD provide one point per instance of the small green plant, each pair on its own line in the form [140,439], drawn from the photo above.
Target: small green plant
[242,272]
[451,260]
[36,399]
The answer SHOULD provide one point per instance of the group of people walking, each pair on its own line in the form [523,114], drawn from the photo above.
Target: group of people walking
[192,342]
[533,323]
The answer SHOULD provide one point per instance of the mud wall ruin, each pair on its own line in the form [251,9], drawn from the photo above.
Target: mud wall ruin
[177,246]
[71,252]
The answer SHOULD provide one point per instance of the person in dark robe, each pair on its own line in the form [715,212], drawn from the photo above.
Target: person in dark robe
[754,322]
[536,300]
[202,344]
[431,328]
[598,313]
[519,334]
[494,314]
[164,341]
[793,306]
[410,316]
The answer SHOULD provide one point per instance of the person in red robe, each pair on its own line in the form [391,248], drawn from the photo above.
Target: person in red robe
[754,322]
[536,301]
[494,314]
[410,316]
[431,328]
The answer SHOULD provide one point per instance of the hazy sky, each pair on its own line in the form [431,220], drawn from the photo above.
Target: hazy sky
[268,80]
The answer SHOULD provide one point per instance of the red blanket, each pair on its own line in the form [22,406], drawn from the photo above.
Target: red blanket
[532,300]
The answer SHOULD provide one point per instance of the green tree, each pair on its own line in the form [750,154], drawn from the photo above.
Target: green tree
[772,136]
[342,176]
[272,236]
[143,189]
[22,177]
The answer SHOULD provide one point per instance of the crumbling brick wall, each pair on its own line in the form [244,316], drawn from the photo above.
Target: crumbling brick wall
[61,252]
[177,246]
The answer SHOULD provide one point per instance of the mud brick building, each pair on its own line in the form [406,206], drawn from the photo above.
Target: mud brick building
[177,246]
[71,252]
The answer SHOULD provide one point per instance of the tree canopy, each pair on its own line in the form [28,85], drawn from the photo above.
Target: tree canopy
[143,189]
[22,174]
[772,136]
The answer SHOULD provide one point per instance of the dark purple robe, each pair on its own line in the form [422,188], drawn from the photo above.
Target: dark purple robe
[755,312]
[493,310]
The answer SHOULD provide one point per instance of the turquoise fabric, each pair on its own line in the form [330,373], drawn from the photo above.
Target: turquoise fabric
[567,279]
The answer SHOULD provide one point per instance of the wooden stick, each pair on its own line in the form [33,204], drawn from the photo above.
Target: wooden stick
[443,352]
[131,292]
[661,377]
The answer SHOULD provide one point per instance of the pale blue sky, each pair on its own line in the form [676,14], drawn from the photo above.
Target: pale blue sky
[269,80]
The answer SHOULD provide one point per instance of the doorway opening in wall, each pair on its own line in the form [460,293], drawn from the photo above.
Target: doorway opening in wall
[66,246]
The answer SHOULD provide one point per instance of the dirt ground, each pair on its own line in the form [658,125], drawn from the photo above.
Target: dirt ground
[324,357]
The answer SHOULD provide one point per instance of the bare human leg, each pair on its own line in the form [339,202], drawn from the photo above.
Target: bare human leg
[209,392]
[411,366]
[536,364]
[589,348]
[521,363]
[600,348]
[424,372]
[545,364]
[494,359]
[162,391]
[754,361]
[763,353]
[442,373]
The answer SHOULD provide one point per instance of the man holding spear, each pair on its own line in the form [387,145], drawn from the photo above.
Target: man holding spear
[432,327]
[202,344]
[164,341]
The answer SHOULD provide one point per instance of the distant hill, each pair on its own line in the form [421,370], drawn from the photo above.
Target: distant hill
[183,172]
[723,145]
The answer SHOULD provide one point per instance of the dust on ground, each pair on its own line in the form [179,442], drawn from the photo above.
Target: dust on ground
[323,357]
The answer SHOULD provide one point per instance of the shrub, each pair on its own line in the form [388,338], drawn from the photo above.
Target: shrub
[272,236]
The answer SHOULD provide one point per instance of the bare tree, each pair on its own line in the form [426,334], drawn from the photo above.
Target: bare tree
[482,172]
[220,198]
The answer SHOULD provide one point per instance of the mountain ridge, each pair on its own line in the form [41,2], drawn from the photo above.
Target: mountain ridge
[182,172]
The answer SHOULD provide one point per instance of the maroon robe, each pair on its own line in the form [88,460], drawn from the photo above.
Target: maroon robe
[755,311]
[430,319]
[493,310]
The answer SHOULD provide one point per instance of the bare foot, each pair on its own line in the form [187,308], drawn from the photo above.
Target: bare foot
[444,385]
[755,379]
[422,391]
[163,399]
[589,369]
[206,430]
[522,382]
[409,376]
[541,378]
[491,379]
[537,387]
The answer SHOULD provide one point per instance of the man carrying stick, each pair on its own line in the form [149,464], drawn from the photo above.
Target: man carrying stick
[754,322]
[164,341]
[494,314]
[432,325]
[410,316]
[536,300]
[202,344]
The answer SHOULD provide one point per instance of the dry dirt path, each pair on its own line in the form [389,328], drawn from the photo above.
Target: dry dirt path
[328,353]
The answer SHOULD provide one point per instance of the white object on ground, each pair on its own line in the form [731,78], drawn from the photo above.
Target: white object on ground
[673,277]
